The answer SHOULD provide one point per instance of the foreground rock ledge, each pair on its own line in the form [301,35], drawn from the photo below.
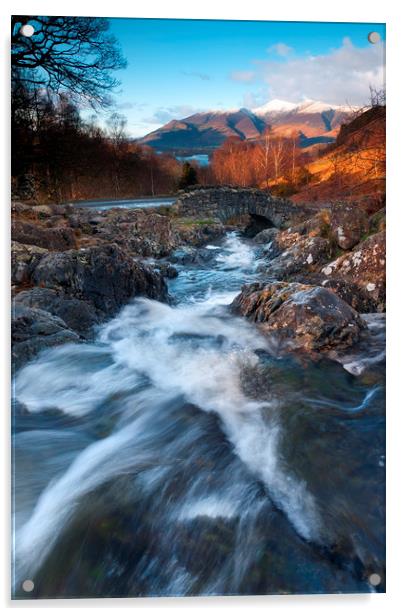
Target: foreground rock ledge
[305,317]
[72,291]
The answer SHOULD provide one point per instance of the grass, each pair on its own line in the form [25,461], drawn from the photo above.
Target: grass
[189,223]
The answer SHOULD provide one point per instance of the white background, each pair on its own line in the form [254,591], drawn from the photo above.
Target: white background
[290,10]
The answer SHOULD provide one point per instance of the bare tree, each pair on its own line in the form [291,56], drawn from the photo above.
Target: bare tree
[377,97]
[74,54]
[116,125]
[278,154]
[263,154]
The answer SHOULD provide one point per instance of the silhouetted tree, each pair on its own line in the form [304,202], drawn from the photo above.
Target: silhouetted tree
[75,54]
[67,62]
[188,176]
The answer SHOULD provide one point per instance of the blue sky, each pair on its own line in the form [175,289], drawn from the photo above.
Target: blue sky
[178,67]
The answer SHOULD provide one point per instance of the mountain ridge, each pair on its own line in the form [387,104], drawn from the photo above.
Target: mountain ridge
[312,121]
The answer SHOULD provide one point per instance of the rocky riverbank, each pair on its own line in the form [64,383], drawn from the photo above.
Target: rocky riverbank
[320,274]
[73,268]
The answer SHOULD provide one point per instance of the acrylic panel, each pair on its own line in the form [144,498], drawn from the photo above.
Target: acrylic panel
[198,307]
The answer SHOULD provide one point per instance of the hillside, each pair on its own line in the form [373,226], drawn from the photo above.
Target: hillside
[354,165]
[205,131]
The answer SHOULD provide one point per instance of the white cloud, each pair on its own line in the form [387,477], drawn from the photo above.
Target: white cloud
[254,99]
[281,49]
[244,76]
[341,76]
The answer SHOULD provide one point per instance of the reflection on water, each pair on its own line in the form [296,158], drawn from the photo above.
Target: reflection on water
[178,454]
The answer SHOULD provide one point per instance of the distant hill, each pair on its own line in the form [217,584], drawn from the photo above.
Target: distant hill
[313,122]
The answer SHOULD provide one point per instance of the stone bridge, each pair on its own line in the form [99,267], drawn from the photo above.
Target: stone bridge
[225,203]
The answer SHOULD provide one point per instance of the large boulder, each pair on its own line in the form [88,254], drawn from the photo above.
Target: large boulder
[33,330]
[77,314]
[364,266]
[305,254]
[266,236]
[57,238]
[103,275]
[348,224]
[197,233]
[304,317]
[146,234]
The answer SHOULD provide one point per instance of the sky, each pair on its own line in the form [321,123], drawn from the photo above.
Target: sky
[178,67]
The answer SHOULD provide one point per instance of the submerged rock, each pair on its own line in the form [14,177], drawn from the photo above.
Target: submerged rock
[188,255]
[305,317]
[166,269]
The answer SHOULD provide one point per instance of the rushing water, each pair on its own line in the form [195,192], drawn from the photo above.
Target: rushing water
[178,454]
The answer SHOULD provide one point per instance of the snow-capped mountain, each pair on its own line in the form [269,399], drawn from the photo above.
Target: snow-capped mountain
[313,121]
[275,106]
[306,106]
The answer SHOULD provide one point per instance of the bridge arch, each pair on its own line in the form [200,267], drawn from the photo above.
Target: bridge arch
[225,203]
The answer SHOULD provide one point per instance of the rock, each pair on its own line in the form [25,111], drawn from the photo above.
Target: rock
[103,275]
[19,208]
[195,234]
[77,314]
[266,236]
[24,258]
[306,254]
[80,219]
[316,225]
[308,318]
[364,266]
[167,270]
[278,242]
[59,238]
[359,298]
[187,255]
[348,224]
[42,211]
[54,221]
[33,330]
[145,234]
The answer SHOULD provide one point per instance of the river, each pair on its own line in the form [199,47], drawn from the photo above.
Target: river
[179,454]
